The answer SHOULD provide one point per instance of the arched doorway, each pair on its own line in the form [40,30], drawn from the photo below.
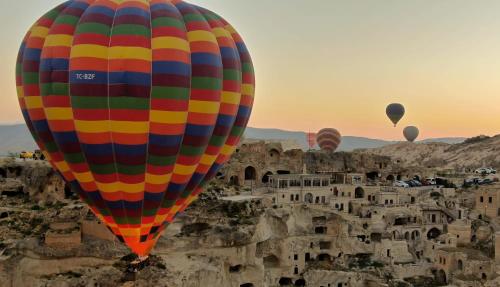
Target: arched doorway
[247,285]
[265,178]
[441,277]
[308,198]
[359,192]
[250,173]
[390,177]
[460,264]
[285,281]
[433,233]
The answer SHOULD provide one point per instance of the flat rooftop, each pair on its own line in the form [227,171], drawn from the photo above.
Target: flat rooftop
[238,198]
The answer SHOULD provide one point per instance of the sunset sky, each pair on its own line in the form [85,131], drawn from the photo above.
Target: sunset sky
[330,63]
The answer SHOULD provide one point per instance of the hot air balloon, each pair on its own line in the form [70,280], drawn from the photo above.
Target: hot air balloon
[411,133]
[328,139]
[395,112]
[311,140]
[136,103]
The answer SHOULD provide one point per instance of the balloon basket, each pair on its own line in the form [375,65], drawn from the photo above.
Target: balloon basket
[138,264]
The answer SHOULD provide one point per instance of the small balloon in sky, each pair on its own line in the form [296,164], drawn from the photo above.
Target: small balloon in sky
[395,112]
[411,133]
[328,139]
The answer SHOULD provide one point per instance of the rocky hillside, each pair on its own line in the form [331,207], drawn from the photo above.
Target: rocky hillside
[471,154]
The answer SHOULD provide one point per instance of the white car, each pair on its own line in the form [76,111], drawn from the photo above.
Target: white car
[400,183]
[482,170]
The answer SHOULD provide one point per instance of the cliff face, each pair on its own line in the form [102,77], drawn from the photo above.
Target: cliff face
[36,179]
[471,154]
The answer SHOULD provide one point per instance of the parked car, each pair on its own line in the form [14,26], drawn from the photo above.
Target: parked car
[485,181]
[400,183]
[38,155]
[430,181]
[26,155]
[485,170]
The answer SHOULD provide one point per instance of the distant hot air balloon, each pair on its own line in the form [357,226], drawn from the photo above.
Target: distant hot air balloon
[411,133]
[136,103]
[395,112]
[328,139]
[311,140]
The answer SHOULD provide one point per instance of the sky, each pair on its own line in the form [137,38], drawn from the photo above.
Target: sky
[339,63]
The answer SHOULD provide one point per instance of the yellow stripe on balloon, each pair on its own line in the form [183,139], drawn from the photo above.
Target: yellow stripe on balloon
[201,36]
[184,169]
[158,179]
[62,166]
[20,92]
[221,32]
[120,186]
[89,51]
[247,89]
[170,43]
[39,31]
[230,98]
[128,127]
[59,113]
[208,159]
[160,219]
[204,107]
[92,126]
[227,149]
[168,117]
[136,53]
[84,176]
[58,40]
[130,232]
[33,102]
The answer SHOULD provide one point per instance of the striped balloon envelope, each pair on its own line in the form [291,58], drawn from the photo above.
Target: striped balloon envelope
[328,139]
[311,140]
[136,103]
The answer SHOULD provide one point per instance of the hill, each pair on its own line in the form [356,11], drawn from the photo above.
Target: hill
[471,154]
[349,143]
[15,138]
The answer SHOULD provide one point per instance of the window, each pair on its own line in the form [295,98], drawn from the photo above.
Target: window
[291,197]
[386,201]
[307,182]
[481,199]
[316,182]
[323,199]
[295,257]
[296,197]
[490,199]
